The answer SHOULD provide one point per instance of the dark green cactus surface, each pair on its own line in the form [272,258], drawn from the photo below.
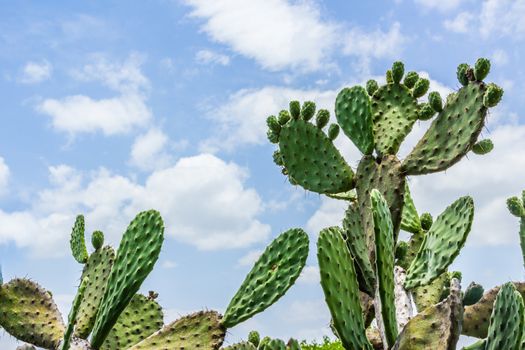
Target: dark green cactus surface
[78,241]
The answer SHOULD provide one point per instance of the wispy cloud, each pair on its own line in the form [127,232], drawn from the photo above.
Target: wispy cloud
[35,72]
[212,57]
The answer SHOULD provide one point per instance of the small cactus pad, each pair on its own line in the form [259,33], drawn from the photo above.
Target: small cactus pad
[476,317]
[452,134]
[483,147]
[312,159]
[28,312]
[430,294]
[356,241]
[273,274]
[254,338]
[97,270]
[442,243]
[394,112]
[354,115]
[506,322]
[473,294]
[138,251]
[78,242]
[72,318]
[436,327]
[141,318]
[275,344]
[201,330]
[384,237]
[245,345]
[341,290]
[409,217]
[97,239]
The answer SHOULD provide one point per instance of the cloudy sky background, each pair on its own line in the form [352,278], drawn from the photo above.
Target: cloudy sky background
[112,107]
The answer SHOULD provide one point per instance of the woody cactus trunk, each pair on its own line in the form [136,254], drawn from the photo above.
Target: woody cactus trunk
[417,302]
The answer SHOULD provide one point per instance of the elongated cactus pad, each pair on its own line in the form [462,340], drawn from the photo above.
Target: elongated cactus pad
[245,345]
[28,312]
[476,317]
[356,241]
[201,330]
[138,251]
[273,274]
[97,270]
[141,318]
[354,115]
[72,318]
[506,322]
[341,290]
[409,217]
[436,327]
[78,241]
[452,134]
[312,160]
[384,236]
[442,243]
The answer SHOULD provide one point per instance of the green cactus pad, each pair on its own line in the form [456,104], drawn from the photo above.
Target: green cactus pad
[141,318]
[409,217]
[333,131]
[506,321]
[273,274]
[398,70]
[275,344]
[341,290]
[72,317]
[97,239]
[138,251]
[245,345]
[442,243]
[312,159]
[435,101]
[295,109]
[201,330]
[78,242]
[421,87]
[350,196]
[481,69]
[97,270]
[473,294]
[254,338]
[483,147]
[322,118]
[476,317]
[384,237]
[388,179]
[354,115]
[462,73]
[436,327]
[430,294]
[410,79]
[451,135]
[293,344]
[356,241]
[28,312]
[425,111]
[371,87]
[492,95]
[394,112]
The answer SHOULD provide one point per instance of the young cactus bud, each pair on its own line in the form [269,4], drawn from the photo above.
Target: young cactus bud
[481,69]
[421,87]
[284,117]
[435,101]
[473,294]
[308,110]
[462,73]
[389,77]
[272,137]
[273,124]
[97,239]
[398,70]
[410,79]
[295,109]
[371,87]
[425,112]
[254,338]
[492,95]
[426,221]
[333,131]
[322,118]
[483,147]
[278,158]
[515,206]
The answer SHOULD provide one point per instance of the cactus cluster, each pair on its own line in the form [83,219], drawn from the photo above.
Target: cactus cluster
[417,302]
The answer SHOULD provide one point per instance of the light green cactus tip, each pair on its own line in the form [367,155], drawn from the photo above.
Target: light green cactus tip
[481,69]
[371,86]
[483,147]
[421,87]
[398,70]
[308,110]
[492,96]
[435,101]
[463,73]
[295,110]
[254,338]
[426,221]
[515,206]
[97,239]
[410,79]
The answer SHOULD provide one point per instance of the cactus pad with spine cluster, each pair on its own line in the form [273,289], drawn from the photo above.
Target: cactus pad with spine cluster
[78,241]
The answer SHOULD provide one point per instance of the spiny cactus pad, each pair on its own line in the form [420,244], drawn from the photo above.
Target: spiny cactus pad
[442,243]
[452,134]
[430,294]
[384,236]
[78,241]
[273,274]
[138,251]
[201,330]
[141,318]
[354,115]
[97,270]
[409,217]
[245,345]
[341,290]
[312,160]
[28,312]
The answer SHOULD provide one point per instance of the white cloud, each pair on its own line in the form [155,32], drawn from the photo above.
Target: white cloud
[461,23]
[202,199]
[36,72]
[4,176]
[330,213]
[440,5]
[249,258]
[310,275]
[211,57]
[148,151]
[169,264]
[502,17]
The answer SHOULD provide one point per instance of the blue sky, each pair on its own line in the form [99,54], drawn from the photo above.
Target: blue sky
[112,107]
